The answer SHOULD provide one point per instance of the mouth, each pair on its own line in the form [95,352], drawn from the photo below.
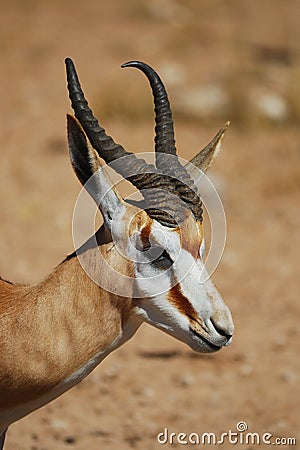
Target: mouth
[212,347]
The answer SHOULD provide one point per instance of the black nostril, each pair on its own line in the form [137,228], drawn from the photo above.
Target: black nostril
[222,332]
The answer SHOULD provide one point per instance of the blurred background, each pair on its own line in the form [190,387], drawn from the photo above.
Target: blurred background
[221,60]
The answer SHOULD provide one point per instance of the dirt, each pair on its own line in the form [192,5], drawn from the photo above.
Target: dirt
[246,49]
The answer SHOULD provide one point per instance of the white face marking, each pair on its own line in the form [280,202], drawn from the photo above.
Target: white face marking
[157,284]
[153,279]
[172,297]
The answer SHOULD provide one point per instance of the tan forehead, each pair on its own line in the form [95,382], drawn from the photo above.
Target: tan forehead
[138,220]
[190,232]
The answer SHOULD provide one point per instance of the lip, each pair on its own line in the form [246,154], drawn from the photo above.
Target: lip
[212,346]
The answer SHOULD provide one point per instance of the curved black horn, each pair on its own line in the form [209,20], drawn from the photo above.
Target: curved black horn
[164,129]
[141,174]
[104,144]
[164,137]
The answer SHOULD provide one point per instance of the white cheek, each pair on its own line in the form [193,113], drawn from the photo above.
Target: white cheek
[183,265]
[160,313]
[196,291]
[149,282]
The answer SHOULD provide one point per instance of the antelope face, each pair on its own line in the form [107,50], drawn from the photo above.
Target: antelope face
[162,239]
[168,269]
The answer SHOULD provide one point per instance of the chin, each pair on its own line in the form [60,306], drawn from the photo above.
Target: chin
[204,347]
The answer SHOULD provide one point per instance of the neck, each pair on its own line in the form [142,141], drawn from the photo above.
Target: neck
[56,332]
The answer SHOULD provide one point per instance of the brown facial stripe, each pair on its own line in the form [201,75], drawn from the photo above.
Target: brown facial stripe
[177,299]
[190,234]
[145,234]
[141,222]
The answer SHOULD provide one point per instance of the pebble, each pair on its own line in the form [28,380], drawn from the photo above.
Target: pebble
[59,424]
[187,380]
[272,106]
[148,392]
[289,376]
[69,440]
[168,10]
[202,102]
[113,371]
[280,341]
[173,73]
[246,369]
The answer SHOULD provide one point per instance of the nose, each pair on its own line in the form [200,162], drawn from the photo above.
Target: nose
[222,323]
[222,331]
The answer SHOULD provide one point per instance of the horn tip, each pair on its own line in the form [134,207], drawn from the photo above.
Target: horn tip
[131,64]
[219,137]
[221,132]
[68,61]
[138,64]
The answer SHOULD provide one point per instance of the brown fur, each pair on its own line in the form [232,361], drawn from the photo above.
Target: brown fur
[176,298]
[145,234]
[190,233]
[50,330]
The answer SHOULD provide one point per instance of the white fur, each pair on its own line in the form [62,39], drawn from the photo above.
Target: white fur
[154,284]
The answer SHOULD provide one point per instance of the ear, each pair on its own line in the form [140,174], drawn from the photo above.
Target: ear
[87,166]
[206,156]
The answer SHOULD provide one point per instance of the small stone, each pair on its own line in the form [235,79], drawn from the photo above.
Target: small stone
[187,380]
[173,73]
[113,371]
[280,341]
[148,392]
[246,369]
[289,376]
[204,101]
[167,10]
[59,424]
[70,440]
[282,424]
[272,106]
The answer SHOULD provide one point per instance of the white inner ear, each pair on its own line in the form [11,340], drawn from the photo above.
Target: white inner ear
[202,248]
[104,194]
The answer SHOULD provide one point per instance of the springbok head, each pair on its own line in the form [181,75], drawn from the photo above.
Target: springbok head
[161,238]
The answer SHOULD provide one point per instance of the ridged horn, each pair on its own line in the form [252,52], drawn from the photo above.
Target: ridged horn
[104,144]
[164,129]
[142,175]
[165,141]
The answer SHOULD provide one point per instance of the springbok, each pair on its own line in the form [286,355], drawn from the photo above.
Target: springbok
[53,334]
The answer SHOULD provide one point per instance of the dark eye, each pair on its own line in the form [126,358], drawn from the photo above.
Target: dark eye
[163,260]
[163,255]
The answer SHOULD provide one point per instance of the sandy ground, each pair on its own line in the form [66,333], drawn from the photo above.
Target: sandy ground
[242,54]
